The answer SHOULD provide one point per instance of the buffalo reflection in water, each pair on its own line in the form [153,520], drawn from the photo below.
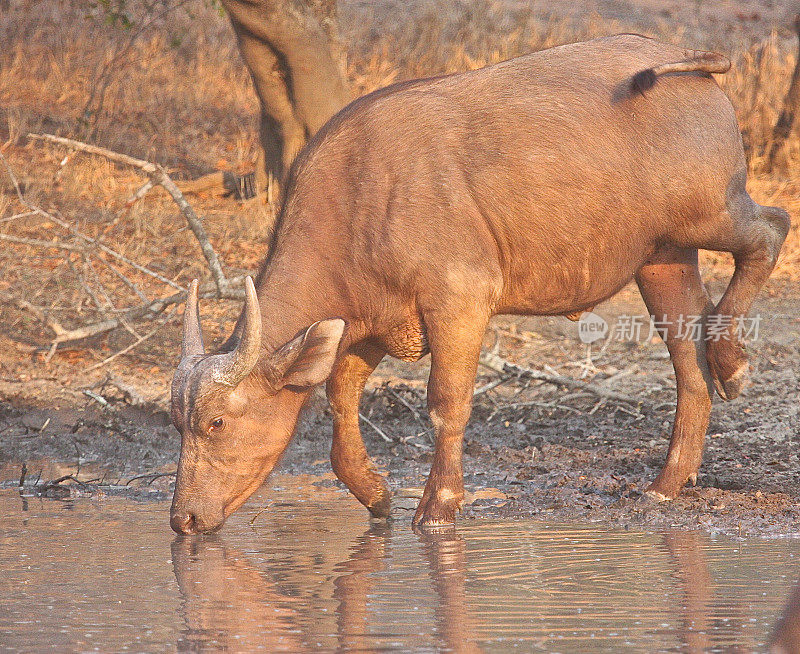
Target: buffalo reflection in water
[230,601]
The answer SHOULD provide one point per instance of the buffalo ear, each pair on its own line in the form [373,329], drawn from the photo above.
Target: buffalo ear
[306,360]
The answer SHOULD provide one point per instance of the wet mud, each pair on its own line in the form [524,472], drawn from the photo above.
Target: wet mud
[531,450]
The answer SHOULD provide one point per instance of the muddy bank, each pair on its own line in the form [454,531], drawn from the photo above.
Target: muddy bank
[549,452]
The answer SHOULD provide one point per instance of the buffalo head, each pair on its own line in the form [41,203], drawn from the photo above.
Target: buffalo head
[236,410]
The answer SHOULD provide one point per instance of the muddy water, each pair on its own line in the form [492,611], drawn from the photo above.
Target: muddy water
[310,573]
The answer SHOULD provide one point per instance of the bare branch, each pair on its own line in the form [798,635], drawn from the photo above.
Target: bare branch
[24,305]
[35,242]
[16,216]
[140,193]
[222,287]
[13,179]
[125,280]
[234,291]
[159,176]
[498,364]
[34,210]
[375,427]
[133,345]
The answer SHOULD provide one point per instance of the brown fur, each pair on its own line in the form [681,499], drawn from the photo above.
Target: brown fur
[527,187]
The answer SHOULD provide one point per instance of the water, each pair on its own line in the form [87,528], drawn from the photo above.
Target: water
[310,573]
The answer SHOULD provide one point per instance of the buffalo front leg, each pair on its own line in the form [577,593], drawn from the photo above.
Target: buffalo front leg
[455,345]
[673,291]
[349,457]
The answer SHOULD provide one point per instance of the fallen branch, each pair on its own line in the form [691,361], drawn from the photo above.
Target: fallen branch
[405,403]
[158,176]
[221,288]
[39,243]
[488,387]
[375,427]
[500,365]
[34,210]
[152,475]
[133,345]
[146,311]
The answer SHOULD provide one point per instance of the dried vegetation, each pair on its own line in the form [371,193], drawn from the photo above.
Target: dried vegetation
[171,89]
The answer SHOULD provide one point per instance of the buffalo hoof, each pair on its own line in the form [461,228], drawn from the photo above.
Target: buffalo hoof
[663,491]
[381,506]
[729,368]
[653,496]
[438,509]
[731,388]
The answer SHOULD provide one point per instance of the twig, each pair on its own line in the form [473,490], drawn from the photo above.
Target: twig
[34,210]
[406,404]
[133,345]
[492,384]
[102,246]
[498,364]
[222,287]
[140,193]
[103,402]
[516,335]
[544,405]
[127,390]
[49,485]
[377,429]
[154,475]
[35,242]
[149,310]
[13,179]
[24,214]
[619,375]
[258,513]
[88,289]
[125,280]
[599,403]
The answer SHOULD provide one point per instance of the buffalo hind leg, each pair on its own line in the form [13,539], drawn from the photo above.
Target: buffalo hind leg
[349,457]
[754,235]
[454,338]
[673,291]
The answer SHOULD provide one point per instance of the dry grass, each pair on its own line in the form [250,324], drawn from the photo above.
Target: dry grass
[179,95]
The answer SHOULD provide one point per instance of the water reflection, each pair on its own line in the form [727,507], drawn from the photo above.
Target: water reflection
[311,578]
[785,638]
[227,603]
[355,583]
[691,571]
[233,601]
[445,553]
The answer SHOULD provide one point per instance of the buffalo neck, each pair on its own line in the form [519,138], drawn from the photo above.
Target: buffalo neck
[298,286]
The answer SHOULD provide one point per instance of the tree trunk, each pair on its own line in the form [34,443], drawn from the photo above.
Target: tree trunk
[791,103]
[291,49]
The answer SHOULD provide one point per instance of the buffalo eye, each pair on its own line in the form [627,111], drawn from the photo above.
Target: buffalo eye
[217,425]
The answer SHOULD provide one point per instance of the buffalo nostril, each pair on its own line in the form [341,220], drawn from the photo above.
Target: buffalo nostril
[183,522]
